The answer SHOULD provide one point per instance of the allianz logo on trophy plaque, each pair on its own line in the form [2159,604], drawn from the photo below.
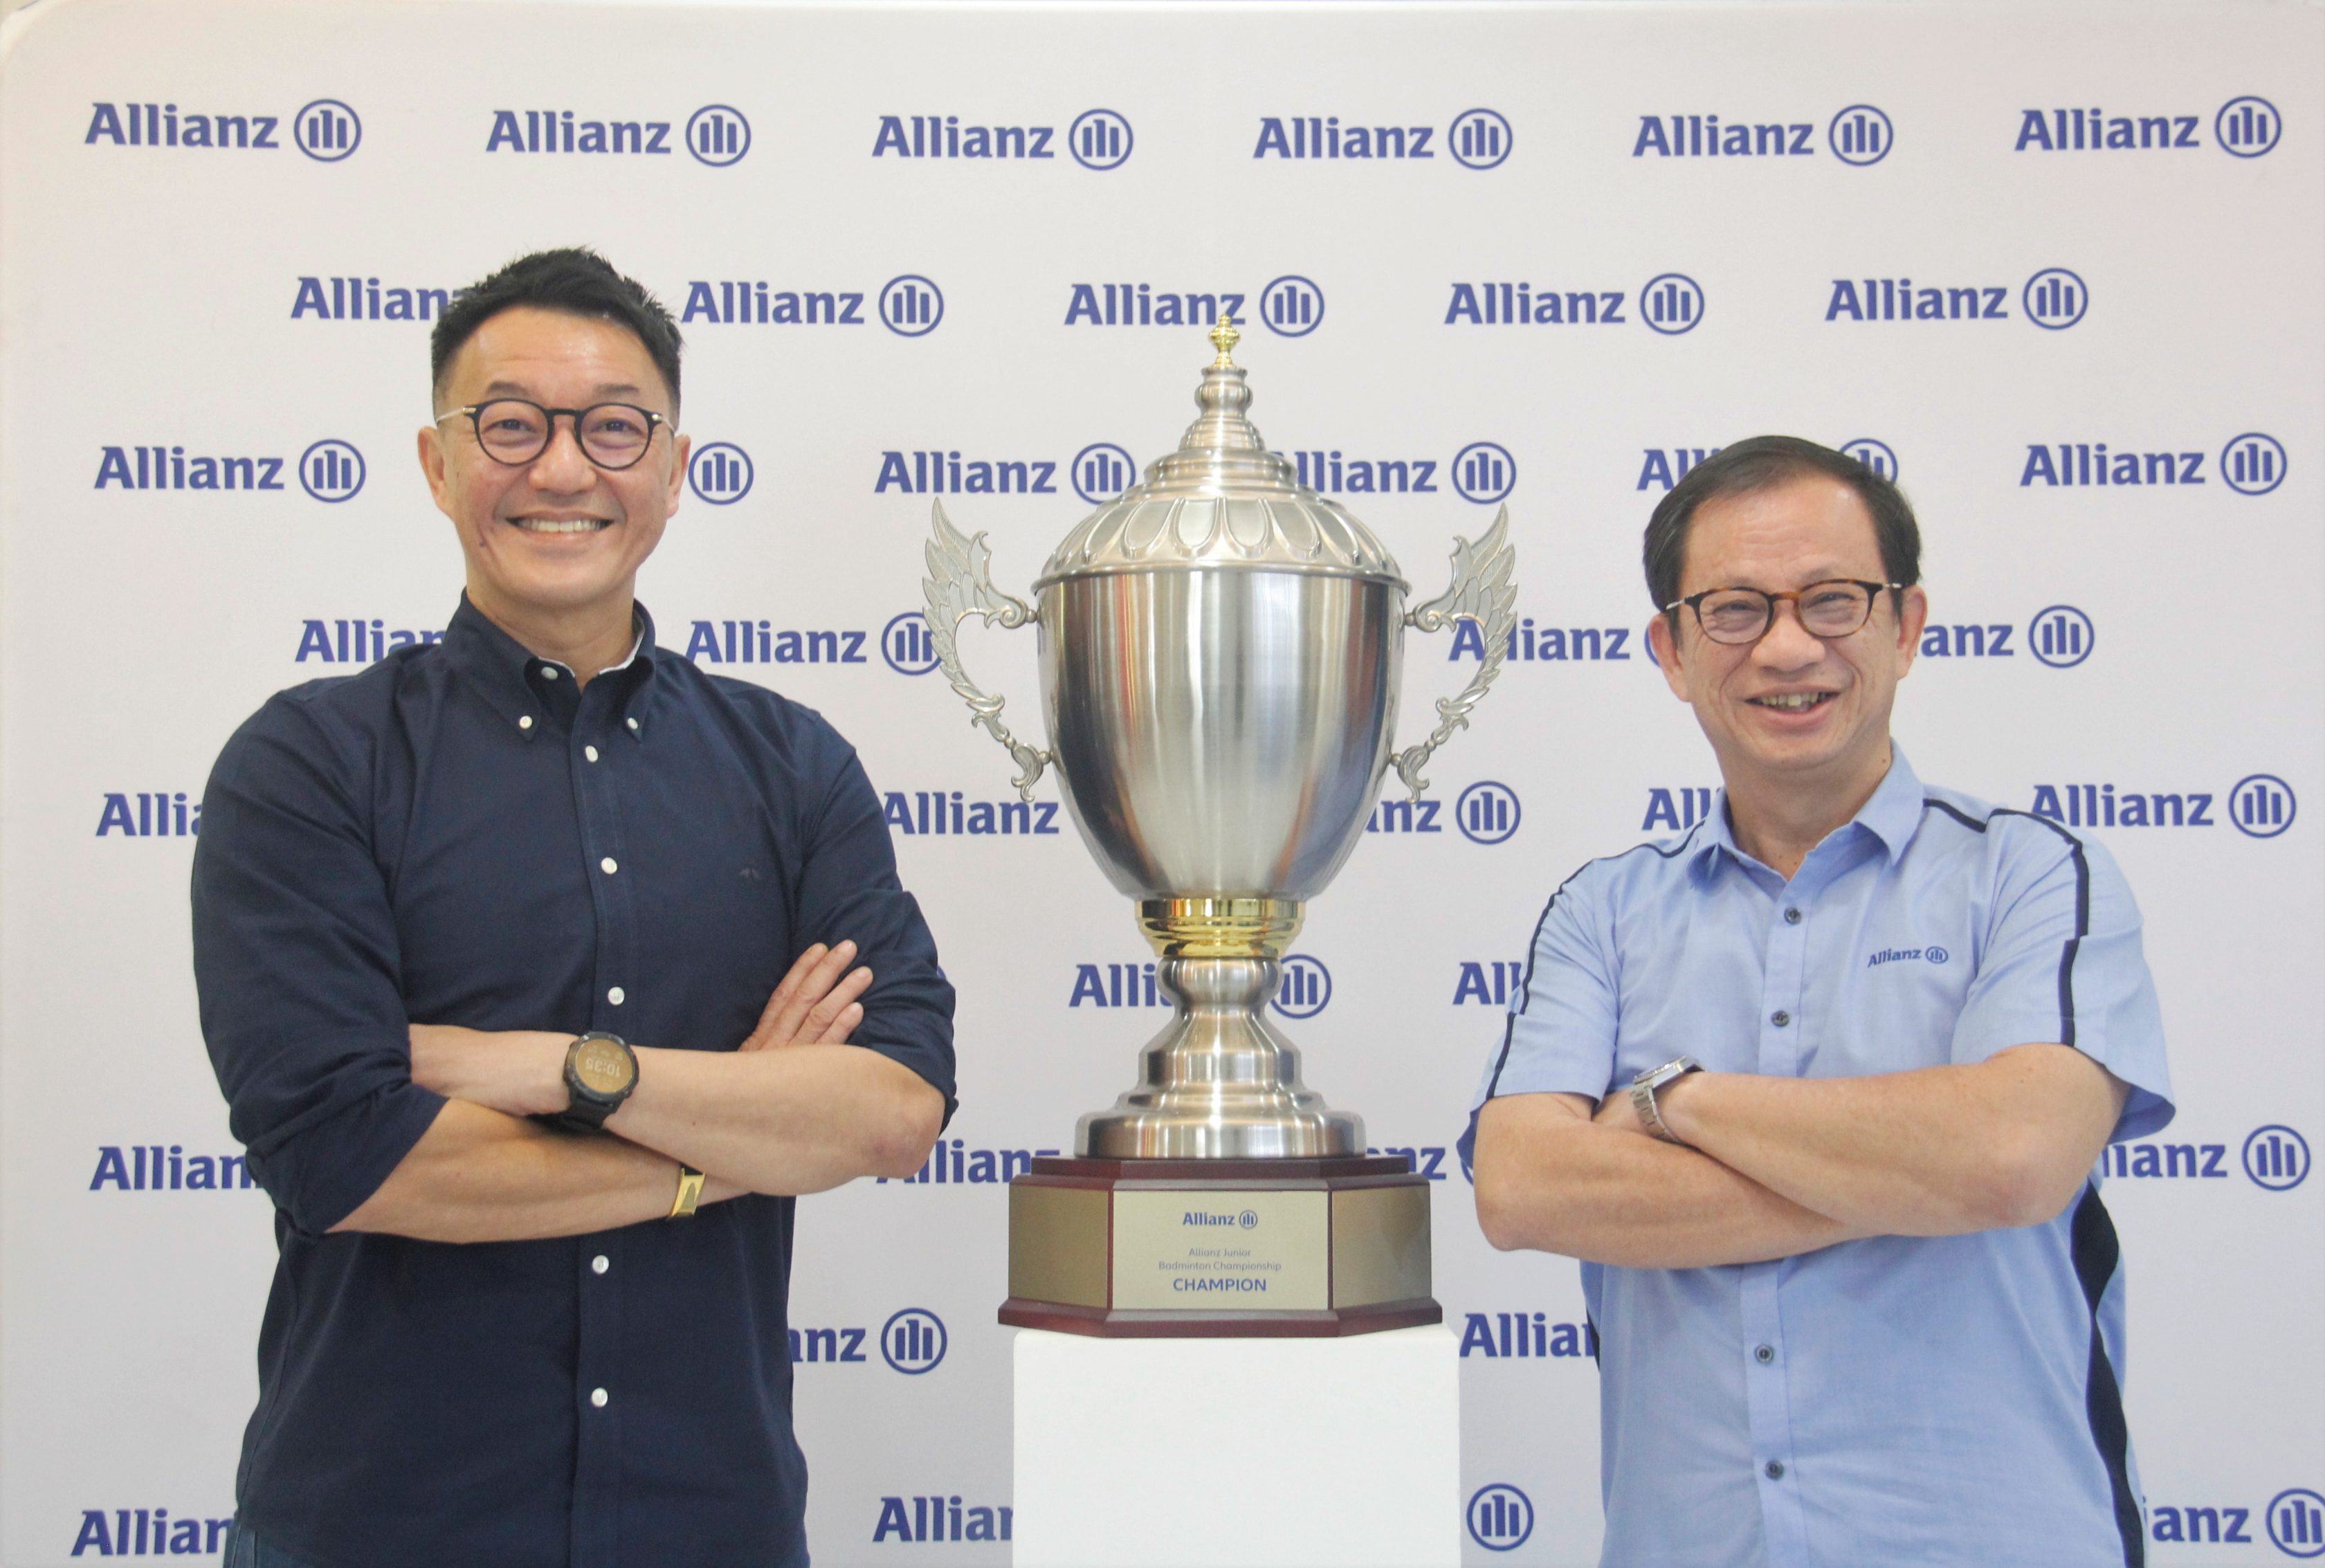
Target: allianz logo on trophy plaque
[1220,649]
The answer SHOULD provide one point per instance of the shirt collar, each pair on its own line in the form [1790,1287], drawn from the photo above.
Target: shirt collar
[501,668]
[1893,814]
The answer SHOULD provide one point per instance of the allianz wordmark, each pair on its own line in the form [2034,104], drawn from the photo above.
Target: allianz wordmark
[1477,138]
[325,129]
[1665,467]
[2293,1521]
[330,470]
[2275,1158]
[911,1342]
[716,644]
[1486,812]
[2243,127]
[716,135]
[2052,298]
[1858,136]
[2253,463]
[147,1533]
[1289,305]
[2259,805]
[1482,472]
[908,305]
[1095,139]
[1669,303]
[1304,990]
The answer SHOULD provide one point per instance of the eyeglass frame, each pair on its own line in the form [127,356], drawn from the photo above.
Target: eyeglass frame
[474,412]
[1694,602]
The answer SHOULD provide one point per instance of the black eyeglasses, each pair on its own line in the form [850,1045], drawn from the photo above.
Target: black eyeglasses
[1837,608]
[514,430]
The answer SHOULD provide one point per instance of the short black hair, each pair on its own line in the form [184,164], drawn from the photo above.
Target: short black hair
[576,281]
[1758,464]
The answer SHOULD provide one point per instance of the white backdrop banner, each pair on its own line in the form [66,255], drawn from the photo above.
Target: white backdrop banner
[2057,269]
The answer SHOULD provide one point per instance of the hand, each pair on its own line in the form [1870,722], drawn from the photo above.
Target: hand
[816,1004]
[520,1071]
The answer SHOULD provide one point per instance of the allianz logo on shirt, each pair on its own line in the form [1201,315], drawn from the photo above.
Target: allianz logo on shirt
[1475,139]
[1096,139]
[1891,955]
[1858,136]
[716,135]
[2244,127]
[2259,805]
[325,130]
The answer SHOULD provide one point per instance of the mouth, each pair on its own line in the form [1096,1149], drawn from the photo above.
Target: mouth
[1794,701]
[561,524]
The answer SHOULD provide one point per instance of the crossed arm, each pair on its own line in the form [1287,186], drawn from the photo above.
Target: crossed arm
[1777,1166]
[796,1109]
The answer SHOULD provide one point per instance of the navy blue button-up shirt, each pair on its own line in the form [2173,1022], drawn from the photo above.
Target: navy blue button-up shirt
[428,841]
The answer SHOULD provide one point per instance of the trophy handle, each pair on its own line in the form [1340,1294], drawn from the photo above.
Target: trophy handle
[1481,592]
[959,585]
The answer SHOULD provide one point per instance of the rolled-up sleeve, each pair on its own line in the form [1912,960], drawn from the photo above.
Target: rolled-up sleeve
[2062,964]
[296,965]
[849,890]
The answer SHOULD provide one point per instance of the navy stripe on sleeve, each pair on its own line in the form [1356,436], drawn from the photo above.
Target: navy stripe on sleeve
[2096,1254]
[2082,905]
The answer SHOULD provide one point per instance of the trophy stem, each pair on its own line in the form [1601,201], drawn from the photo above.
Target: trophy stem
[1218,1082]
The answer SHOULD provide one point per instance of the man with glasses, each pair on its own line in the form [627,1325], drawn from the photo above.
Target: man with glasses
[527,962]
[1815,1090]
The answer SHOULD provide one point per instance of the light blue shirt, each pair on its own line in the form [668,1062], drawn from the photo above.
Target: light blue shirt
[1928,1400]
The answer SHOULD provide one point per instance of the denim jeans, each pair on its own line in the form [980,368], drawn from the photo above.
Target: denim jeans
[245,1550]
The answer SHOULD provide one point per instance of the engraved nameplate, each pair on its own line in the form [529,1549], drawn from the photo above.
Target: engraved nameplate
[1251,1251]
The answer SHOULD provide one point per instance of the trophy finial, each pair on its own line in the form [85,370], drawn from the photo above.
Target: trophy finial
[1224,336]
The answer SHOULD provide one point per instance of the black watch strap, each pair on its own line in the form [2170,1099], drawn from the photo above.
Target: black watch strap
[600,1072]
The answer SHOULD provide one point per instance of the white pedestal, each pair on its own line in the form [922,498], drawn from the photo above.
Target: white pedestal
[1238,1454]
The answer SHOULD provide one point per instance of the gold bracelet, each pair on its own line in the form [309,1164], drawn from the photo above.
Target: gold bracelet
[689,1194]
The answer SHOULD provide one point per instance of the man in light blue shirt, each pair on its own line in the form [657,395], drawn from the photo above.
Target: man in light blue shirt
[1856,1297]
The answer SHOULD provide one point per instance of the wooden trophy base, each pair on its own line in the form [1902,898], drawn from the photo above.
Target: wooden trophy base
[1219,1249]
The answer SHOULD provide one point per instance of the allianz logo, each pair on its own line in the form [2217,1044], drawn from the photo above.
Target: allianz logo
[360,297]
[2053,299]
[325,130]
[911,1342]
[940,814]
[1676,809]
[909,305]
[2251,464]
[330,470]
[953,1162]
[762,642]
[159,1168]
[1303,991]
[1529,644]
[2275,1158]
[342,641]
[1482,472]
[1523,1335]
[2259,806]
[1488,982]
[148,1533]
[2243,127]
[1098,139]
[716,135]
[1857,136]
[1475,139]
[1665,467]
[149,814]
[1290,306]
[940,1518]
[1669,303]
[1488,812]
[938,470]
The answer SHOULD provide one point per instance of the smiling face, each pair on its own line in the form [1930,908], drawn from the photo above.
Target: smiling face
[557,541]
[1791,712]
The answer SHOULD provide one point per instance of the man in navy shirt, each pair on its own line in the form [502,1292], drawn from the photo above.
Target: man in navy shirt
[526,961]
[1815,1091]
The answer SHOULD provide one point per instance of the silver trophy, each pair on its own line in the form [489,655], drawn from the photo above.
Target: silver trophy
[1219,652]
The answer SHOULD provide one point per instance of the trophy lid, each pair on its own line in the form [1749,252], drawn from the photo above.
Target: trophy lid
[1221,500]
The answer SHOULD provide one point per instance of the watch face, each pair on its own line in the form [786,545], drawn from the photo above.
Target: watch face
[602,1066]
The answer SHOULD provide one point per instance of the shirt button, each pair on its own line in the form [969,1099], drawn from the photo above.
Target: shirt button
[616,995]
[1773,1469]
[1764,1354]
[525,722]
[630,722]
[607,866]
[601,1263]
[599,1396]
[590,752]
[548,672]
[1792,917]
[1780,1017]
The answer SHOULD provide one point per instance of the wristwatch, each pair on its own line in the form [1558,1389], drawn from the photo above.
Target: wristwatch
[600,1072]
[1643,1094]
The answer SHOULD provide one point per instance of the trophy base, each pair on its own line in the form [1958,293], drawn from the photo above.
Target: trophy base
[1219,1249]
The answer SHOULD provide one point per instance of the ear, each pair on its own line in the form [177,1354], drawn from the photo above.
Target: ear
[433,465]
[682,453]
[1665,649]
[1913,616]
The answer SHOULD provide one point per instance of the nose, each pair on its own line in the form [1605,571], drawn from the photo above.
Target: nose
[562,466]
[1786,644]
